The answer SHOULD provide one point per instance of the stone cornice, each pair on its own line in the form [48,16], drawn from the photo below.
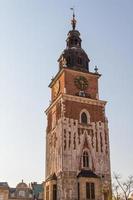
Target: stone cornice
[84,100]
[76,99]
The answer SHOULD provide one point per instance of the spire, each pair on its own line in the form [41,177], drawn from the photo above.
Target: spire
[74,56]
[73,21]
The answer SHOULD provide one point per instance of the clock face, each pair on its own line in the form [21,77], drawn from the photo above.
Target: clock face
[56,88]
[81,83]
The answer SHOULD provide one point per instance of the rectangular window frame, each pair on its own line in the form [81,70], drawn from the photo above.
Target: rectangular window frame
[90,191]
[47,192]
[54,192]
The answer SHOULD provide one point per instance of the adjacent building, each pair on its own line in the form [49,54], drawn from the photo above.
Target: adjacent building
[4,191]
[22,191]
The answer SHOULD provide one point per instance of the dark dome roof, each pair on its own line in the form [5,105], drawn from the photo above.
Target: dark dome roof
[22,185]
[74,56]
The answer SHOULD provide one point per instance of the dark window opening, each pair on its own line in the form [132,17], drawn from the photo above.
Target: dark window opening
[81,93]
[79,61]
[47,192]
[86,63]
[84,118]
[76,41]
[90,191]
[85,159]
[54,192]
[71,41]
[78,191]
[69,60]
[105,196]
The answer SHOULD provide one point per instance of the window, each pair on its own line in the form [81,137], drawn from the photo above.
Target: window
[85,159]
[79,60]
[90,191]
[21,193]
[54,192]
[1,197]
[69,60]
[86,63]
[78,191]
[81,93]
[71,41]
[105,196]
[76,41]
[47,192]
[84,118]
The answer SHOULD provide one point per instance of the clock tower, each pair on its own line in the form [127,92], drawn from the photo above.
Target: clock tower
[77,136]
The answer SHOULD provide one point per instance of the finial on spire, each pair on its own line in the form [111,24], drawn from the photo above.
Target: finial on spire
[73,21]
[96,69]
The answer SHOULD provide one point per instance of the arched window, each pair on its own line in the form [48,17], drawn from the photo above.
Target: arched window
[84,118]
[85,159]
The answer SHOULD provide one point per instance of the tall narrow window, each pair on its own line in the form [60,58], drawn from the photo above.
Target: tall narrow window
[90,191]
[71,41]
[79,60]
[54,192]
[76,41]
[78,191]
[84,118]
[47,192]
[85,159]
[68,60]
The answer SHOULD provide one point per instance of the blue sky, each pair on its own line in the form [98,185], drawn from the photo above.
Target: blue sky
[32,37]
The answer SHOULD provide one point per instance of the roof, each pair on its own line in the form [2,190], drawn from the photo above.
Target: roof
[87,173]
[22,185]
[4,184]
[12,190]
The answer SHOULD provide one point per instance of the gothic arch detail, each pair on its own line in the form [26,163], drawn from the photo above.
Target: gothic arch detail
[86,147]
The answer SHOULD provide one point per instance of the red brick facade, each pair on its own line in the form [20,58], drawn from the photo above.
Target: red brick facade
[73,109]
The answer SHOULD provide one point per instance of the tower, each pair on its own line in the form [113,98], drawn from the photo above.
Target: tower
[77,137]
